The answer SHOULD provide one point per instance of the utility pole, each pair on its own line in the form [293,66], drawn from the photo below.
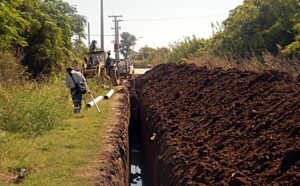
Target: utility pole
[89,35]
[117,35]
[102,25]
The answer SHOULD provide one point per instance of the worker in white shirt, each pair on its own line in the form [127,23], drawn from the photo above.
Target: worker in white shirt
[77,84]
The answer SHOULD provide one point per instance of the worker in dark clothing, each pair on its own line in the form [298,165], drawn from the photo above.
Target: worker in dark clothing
[108,61]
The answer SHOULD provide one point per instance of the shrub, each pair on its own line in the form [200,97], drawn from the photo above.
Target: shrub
[32,108]
[10,68]
[182,51]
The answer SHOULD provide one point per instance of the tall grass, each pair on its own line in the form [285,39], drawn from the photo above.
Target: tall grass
[267,62]
[32,108]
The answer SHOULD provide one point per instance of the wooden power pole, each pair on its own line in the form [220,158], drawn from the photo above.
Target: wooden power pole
[117,35]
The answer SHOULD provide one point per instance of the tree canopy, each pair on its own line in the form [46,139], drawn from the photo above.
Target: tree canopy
[254,28]
[42,30]
[259,26]
[127,41]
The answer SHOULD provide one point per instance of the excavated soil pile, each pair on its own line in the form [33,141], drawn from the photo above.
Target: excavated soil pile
[220,127]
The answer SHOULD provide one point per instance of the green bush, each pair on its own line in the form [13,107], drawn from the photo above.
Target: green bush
[189,47]
[32,108]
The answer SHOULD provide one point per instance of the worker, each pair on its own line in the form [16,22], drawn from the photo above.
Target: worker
[108,61]
[73,77]
[85,64]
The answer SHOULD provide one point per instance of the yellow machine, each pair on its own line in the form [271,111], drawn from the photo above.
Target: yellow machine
[95,67]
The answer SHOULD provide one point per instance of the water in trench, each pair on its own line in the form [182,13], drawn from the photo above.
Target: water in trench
[138,173]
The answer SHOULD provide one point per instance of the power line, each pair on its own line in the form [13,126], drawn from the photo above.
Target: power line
[173,18]
[97,35]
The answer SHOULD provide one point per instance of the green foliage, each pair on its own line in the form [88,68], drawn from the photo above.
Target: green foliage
[79,49]
[12,25]
[146,54]
[59,156]
[293,49]
[32,108]
[189,47]
[151,56]
[42,30]
[127,41]
[252,29]
[258,26]
[50,44]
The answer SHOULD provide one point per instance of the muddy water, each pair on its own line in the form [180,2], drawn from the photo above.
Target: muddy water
[138,174]
[137,165]
[137,161]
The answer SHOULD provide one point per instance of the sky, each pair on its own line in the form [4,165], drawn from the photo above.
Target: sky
[156,23]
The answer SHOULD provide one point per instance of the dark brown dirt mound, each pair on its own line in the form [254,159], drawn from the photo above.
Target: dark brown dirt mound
[221,127]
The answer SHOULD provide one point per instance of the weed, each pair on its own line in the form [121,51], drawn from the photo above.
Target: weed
[31,108]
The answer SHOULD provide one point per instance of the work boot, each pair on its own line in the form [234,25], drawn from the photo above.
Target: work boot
[76,110]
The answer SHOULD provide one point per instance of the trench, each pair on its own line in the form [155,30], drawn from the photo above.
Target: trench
[138,171]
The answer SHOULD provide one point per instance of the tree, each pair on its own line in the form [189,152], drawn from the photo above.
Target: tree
[146,53]
[293,49]
[258,26]
[127,41]
[12,25]
[43,31]
[53,24]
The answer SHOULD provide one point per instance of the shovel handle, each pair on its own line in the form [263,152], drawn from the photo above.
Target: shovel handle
[95,103]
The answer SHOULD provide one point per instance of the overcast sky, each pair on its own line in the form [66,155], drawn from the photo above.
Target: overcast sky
[159,22]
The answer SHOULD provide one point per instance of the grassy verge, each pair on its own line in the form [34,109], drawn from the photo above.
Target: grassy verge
[60,156]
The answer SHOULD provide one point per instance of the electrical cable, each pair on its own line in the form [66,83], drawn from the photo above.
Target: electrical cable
[172,18]
[98,34]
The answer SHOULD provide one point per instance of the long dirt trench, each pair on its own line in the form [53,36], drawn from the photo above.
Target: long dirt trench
[188,125]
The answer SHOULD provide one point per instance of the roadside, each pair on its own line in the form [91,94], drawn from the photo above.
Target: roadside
[113,162]
[66,155]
